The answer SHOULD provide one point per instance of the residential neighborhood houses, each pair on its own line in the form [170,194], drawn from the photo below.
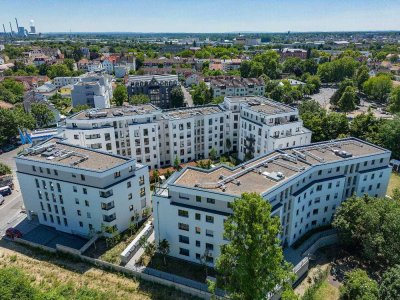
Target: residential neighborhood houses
[135,153]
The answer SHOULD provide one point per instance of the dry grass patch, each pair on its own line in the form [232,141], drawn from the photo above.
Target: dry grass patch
[48,272]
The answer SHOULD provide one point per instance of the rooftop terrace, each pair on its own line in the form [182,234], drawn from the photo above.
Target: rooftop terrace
[261,174]
[182,113]
[54,151]
[115,112]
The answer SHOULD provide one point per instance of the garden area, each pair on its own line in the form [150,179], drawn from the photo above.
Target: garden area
[109,249]
[394,183]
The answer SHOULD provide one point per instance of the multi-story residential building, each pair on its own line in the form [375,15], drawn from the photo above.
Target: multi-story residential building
[230,86]
[266,125]
[304,186]
[79,190]
[94,91]
[288,52]
[157,87]
[225,64]
[156,137]
[63,81]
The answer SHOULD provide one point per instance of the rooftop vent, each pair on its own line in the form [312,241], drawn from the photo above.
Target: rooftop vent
[275,176]
[117,113]
[221,176]
[343,154]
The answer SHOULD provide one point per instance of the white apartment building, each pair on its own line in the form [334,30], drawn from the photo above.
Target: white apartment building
[304,186]
[63,81]
[156,137]
[229,86]
[79,190]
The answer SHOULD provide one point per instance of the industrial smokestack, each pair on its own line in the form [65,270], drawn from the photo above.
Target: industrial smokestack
[11,29]
[16,21]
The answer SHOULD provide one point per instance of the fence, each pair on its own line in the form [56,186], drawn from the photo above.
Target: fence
[134,246]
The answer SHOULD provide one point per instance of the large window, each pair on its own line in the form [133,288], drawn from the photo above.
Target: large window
[183,226]
[183,213]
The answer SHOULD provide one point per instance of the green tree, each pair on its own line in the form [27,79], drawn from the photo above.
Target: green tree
[11,120]
[69,63]
[378,88]
[270,62]
[252,264]
[245,68]
[365,126]
[164,249]
[347,100]
[361,76]
[358,286]
[394,100]
[389,288]
[339,92]
[177,97]
[371,226]
[257,69]
[213,154]
[79,108]
[11,91]
[4,169]
[120,95]
[16,285]
[388,135]
[337,70]
[139,99]
[42,114]
[201,94]
[176,163]
[58,70]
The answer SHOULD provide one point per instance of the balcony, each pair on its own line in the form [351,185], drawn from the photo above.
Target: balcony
[107,206]
[106,194]
[109,218]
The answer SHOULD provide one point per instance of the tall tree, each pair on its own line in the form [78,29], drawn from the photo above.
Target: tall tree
[177,97]
[347,100]
[394,104]
[252,263]
[120,95]
[358,286]
[389,288]
[378,88]
[42,114]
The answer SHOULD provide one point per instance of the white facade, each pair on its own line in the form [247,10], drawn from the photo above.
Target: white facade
[304,186]
[63,81]
[79,191]
[156,137]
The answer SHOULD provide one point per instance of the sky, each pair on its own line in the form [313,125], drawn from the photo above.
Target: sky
[202,15]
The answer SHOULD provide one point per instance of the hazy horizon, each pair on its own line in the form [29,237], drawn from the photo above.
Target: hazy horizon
[223,16]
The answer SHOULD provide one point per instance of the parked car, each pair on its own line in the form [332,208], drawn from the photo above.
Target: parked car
[1,200]
[5,190]
[13,233]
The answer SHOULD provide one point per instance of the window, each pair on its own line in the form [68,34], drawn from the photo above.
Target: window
[210,200]
[85,191]
[198,198]
[83,178]
[80,224]
[76,201]
[183,239]
[183,226]
[198,216]
[88,215]
[315,211]
[184,251]
[117,174]
[209,233]
[198,230]
[75,189]
[130,196]
[128,184]
[209,246]
[183,213]
[142,192]
[78,212]
[198,244]
[209,219]
[87,203]
[130,207]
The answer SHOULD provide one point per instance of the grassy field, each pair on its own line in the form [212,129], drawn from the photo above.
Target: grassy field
[393,183]
[48,271]
[327,292]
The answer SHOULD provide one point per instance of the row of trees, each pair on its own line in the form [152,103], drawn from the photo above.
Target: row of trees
[332,125]
[370,228]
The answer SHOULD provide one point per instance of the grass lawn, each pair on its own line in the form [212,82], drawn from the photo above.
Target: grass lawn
[179,267]
[327,292]
[394,182]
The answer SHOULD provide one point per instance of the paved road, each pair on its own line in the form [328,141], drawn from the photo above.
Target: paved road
[188,97]
[10,211]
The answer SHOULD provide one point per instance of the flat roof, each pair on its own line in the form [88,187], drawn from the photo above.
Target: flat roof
[183,113]
[54,151]
[262,104]
[112,112]
[263,173]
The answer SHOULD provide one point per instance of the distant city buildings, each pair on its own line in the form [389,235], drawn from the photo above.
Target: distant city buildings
[288,52]
[230,86]
[158,88]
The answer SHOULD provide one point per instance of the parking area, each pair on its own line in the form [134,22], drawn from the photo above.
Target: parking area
[48,236]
